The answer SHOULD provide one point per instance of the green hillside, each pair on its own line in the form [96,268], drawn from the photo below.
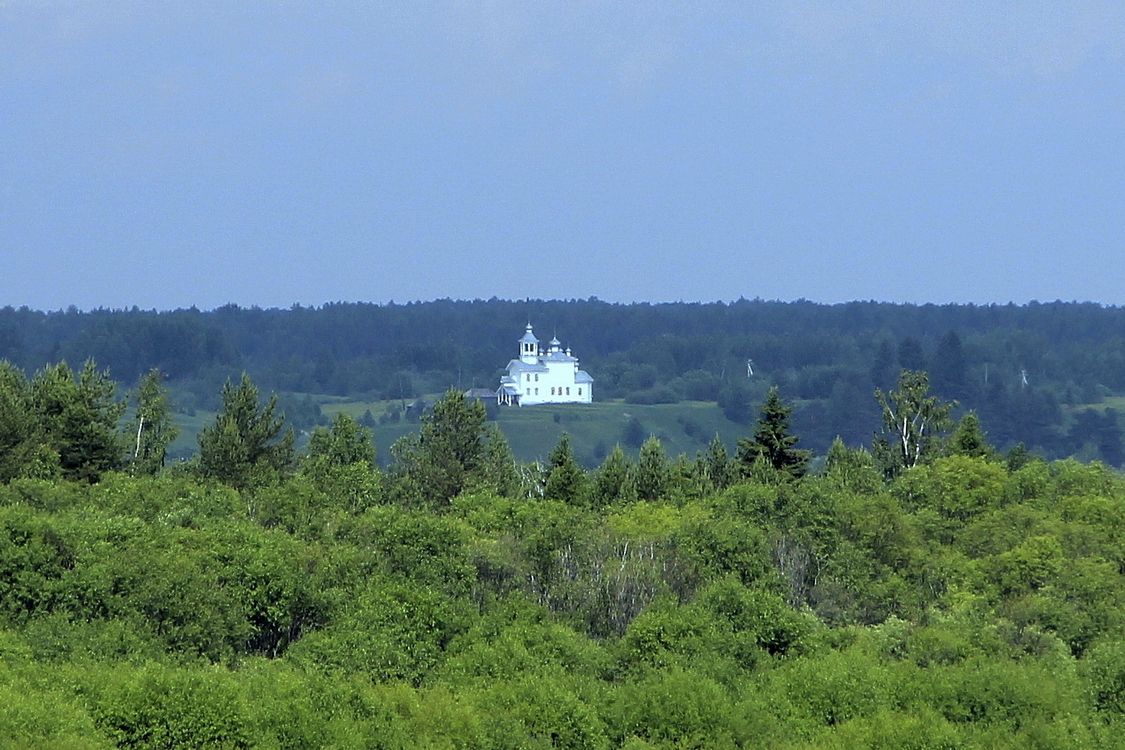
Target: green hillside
[686,427]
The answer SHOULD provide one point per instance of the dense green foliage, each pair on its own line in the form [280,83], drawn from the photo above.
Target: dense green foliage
[1043,374]
[58,423]
[462,600]
[152,426]
[247,444]
[772,443]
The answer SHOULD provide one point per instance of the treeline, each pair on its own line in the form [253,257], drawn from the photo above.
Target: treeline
[931,593]
[1021,368]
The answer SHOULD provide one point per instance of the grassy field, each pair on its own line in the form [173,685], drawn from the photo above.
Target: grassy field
[1116,403]
[533,431]
[594,429]
[185,445]
[1113,402]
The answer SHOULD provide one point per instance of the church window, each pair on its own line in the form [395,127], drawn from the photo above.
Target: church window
[528,378]
[568,390]
[536,377]
[536,391]
[579,391]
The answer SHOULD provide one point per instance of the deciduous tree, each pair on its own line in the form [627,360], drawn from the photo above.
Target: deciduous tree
[152,429]
[913,419]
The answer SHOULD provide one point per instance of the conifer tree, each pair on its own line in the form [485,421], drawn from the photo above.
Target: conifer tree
[499,470]
[341,463]
[652,470]
[852,468]
[78,418]
[968,439]
[715,465]
[613,482]
[346,442]
[949,370]
[565,478]
[18,428]
[248,443]
[772,442]
[448,450]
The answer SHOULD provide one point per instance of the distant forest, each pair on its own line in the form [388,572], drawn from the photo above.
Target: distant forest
[1047,374]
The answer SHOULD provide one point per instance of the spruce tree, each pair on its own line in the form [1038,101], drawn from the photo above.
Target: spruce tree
[499,470]
[447,452]
[17,424]
[652,470]
[565,478]
[715,465]
[968,439]
[78,418]
[772,442]
[613,481]
[949,370]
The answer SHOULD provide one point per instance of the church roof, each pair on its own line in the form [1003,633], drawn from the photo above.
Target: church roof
[528,336]
[582,377]
[517,365]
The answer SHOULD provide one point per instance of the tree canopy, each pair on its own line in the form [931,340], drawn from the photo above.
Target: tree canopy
[772,442]
[1026,370]
[248,443]
[463,599]
[913,421]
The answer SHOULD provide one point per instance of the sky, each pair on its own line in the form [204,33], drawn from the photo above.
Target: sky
[169,154]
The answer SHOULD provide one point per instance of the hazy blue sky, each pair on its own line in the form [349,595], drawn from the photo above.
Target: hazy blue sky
[170,154]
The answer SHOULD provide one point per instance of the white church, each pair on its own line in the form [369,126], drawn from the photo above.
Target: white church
[544,377]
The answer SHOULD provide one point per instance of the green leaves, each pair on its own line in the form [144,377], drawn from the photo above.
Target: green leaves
[344,444]
[447,453]
[652,474]
[163,707]
[247,445]
[152,429]
[20,438]
[58,423]
[961,604]
[913,420]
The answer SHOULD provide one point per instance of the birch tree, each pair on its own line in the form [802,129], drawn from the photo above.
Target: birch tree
[913,419]
[152,429]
